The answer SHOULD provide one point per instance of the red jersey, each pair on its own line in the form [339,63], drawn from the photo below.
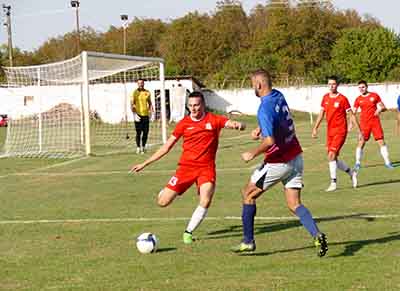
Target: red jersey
[336,109]
[200,139]
[368,105]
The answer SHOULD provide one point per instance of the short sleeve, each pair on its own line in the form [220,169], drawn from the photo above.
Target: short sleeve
[323,105]
[398,103]
[346,104]
[356,104]
[179,129]
[221,121]
[266,121]
[378,99]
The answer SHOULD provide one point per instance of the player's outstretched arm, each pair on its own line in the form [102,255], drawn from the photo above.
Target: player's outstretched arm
[235,125]
[162,151]
[321,115]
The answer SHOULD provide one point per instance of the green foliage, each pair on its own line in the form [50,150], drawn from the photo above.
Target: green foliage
[364,53]
[305,42]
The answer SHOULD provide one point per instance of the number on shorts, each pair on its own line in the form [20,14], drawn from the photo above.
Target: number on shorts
[173,181]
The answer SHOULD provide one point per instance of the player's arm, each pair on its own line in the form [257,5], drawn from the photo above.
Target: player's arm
[231,124]
[353,121]
[266,143]
[150,104]
[162,151]
[318,123]
[380,107]
[398,123]
[133,100]
[256,133]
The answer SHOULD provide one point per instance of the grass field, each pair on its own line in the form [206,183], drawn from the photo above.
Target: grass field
[72,224]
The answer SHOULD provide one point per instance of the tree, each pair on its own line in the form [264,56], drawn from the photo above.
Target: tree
[366,53]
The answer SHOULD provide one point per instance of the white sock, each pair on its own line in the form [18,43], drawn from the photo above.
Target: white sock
[197,217]
[332,170]
[359,154]
[385,154]
[342,166]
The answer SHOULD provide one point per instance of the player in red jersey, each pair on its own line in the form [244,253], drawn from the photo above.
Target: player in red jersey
[371,106]
[200,131]
[336,107]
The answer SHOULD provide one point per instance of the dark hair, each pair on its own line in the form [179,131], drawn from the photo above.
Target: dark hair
[263,73]
[335,78]
[197,94]
[363,82]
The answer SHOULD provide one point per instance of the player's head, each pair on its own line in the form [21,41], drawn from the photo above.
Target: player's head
[196,104]
[363,87]
[333,83]
[140,83]
[261,81]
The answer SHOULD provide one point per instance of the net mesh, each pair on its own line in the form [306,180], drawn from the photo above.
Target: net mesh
[47,117]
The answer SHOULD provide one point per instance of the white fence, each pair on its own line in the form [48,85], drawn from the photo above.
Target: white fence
[307,99]
[110,101]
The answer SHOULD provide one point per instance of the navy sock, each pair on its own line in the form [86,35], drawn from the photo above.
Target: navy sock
[248,214]
[306,220]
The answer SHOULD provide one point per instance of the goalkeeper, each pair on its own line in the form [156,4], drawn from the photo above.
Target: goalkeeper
[200,131]
[141,108]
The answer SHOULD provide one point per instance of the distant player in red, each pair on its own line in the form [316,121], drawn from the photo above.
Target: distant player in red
[371,106]
[200,131]
[336,107]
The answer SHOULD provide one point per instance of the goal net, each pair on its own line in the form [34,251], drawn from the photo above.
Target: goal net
[81,106]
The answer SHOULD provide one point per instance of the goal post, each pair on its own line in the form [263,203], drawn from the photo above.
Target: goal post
[81,106]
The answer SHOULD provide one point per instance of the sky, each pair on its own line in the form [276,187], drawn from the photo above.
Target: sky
[34,21]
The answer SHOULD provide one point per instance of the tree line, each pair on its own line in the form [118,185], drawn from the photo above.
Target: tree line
[303,43]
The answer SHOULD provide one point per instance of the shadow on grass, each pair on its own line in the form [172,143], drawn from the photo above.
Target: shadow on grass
[394,164]
[350,247]
[379,183]
[164,250]
[260,228]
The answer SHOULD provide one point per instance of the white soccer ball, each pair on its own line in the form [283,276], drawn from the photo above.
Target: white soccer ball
[147,243]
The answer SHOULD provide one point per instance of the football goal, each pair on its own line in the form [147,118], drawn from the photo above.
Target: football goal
[81,106]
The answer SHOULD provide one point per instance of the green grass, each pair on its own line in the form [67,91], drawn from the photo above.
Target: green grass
[92,255]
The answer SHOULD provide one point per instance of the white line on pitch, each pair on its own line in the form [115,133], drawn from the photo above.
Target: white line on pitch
[163,219]
[99,173]
[34,171]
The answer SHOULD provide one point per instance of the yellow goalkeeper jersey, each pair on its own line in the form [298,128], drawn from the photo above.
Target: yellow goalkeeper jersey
[141,99]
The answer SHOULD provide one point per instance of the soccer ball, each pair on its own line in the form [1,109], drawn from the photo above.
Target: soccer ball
[147,243]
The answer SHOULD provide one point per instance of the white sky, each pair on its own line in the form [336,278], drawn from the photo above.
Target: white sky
[34,21]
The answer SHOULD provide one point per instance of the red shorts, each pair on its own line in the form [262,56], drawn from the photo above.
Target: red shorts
[186,176]
[374,127]
[335,142]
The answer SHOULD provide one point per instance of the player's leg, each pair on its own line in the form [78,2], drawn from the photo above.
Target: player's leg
[205,178]
[138,128]
[146,123]
[177,185]
[293,185]
[334,163]
[332,170]
[263,178]
[377,131]
[365,135]
[385,153]
[206,193]
[166,196]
